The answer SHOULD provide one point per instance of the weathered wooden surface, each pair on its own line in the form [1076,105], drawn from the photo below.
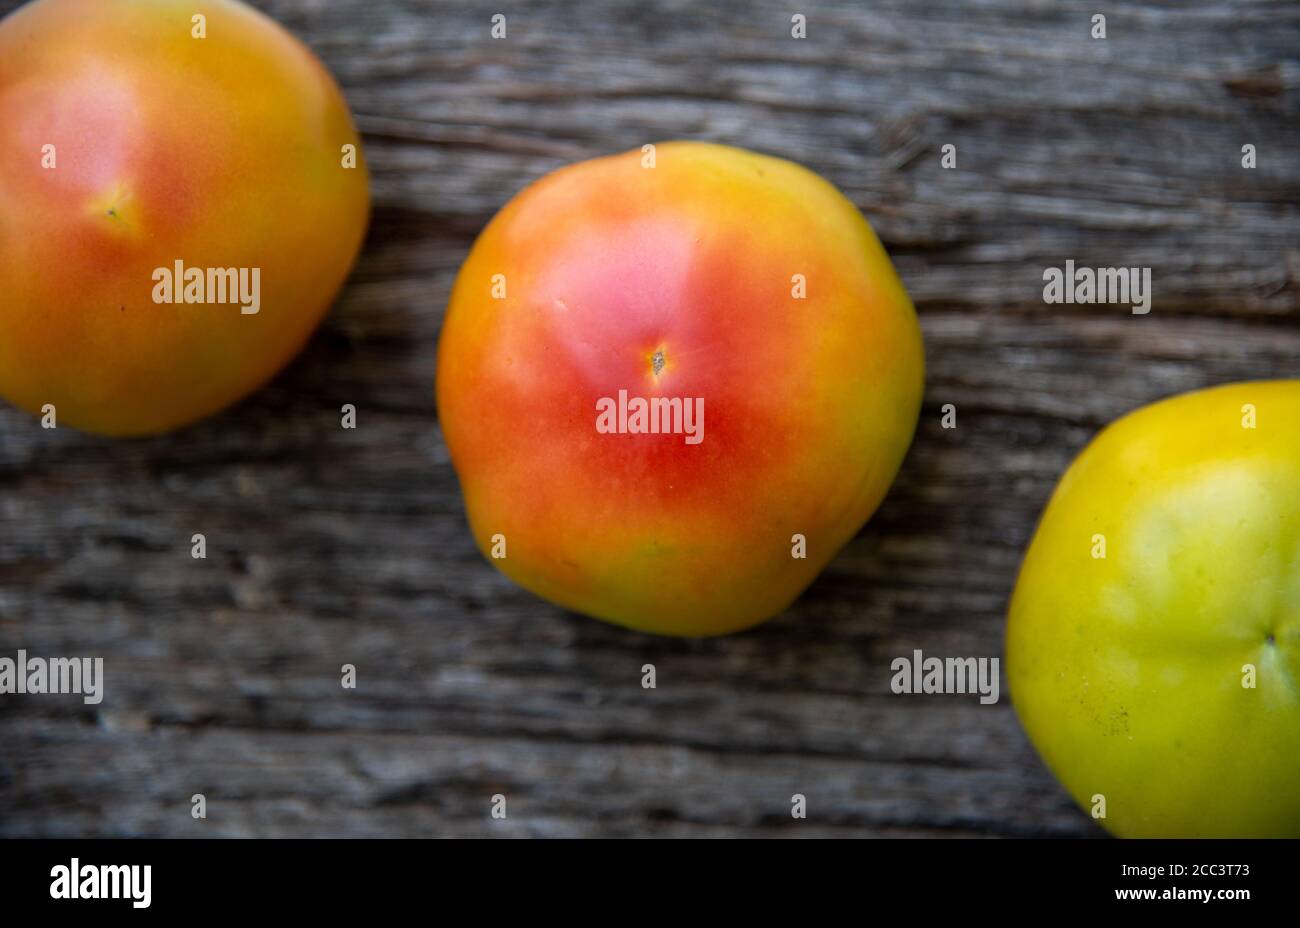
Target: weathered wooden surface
[330,547]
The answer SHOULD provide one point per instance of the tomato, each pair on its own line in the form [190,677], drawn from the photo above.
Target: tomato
[134,154]
[746,299]
[1153,644]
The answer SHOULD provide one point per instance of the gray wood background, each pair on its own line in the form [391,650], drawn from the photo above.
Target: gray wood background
[329,547]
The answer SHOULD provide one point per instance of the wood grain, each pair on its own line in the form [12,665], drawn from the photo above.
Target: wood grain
[329,547]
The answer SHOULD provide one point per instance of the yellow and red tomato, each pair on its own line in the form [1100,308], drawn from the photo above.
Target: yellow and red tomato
[697,272]
[1153,645]
[135,134]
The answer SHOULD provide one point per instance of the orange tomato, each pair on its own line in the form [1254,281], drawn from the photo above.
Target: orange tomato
[128,144]
[749,308]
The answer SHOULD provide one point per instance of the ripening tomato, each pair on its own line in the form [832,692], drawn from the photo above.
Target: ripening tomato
[183,194]
[674,382]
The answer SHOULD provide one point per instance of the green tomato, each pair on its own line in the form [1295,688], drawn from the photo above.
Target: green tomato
[1153,643]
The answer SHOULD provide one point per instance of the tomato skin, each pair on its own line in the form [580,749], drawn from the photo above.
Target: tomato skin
[809,403]
[1127,670]
[218,152]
